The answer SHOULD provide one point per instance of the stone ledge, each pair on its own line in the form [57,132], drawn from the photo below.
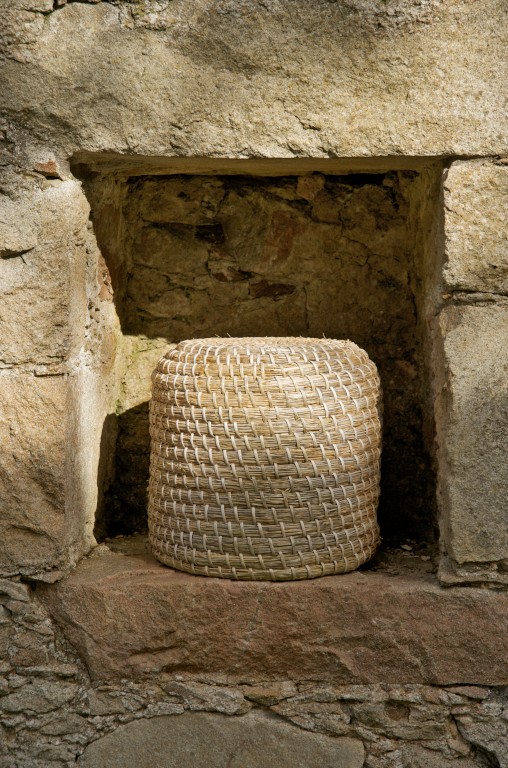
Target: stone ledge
[130,617]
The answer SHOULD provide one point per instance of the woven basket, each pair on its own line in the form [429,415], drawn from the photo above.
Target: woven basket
[264,458]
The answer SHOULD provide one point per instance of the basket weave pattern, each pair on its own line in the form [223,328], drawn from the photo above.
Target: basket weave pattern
[265,458]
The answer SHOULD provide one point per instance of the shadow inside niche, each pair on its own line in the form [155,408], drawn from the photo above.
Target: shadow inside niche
[123,474]
[320,255]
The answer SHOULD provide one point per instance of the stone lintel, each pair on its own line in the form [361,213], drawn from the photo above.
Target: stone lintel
[130,617]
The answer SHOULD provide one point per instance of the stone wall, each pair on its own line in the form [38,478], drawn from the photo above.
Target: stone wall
[471,374]
[51,714]
[115,108]
[397,85]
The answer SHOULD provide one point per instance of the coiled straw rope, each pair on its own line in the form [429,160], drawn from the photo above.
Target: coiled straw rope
[264,458]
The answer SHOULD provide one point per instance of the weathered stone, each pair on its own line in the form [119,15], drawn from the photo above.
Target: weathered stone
[488,731]
[398,78]
[67,724]
[102,703]
[42,6]
[20,29]
[269,694]
[452,573]
[140,355]
[17,235]
[45,505]
[56,754]
[5,639]
[472,432]
[32,473]
[128,616]
[17,681]
[28,650]
[418,756]
[326,692]
[399,720]
[256,740]
[197,696]
[48,169]
[5,667]
[19,608]
[331,718]
[38,696]
[53,669]
[470,691]
[43,308]
[167,707]
[13,590]
[476,227]
[180,200]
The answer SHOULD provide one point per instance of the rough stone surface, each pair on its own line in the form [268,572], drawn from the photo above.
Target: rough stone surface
[44,504]
[39,679]
[50,711]
[487,730]
[253,741]
[417,77]
[493,574]
[126,89]
[130,616]
[56,334]
[418,756]
[472,433]
[476,227]
[294,256]
[43,306]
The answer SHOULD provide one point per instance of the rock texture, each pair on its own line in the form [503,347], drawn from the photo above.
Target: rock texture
[423,77]
[252,741]
[39,681]
[125,90]
[32,474]
[470,367]
[56,334]
[476,229]
[472,430]
[44,503]
[43,312]
[51,713]
[128,615]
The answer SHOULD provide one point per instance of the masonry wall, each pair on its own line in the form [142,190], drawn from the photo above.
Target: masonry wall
[118,93]
[51,709]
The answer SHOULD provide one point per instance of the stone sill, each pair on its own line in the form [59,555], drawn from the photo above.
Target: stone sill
[130,617]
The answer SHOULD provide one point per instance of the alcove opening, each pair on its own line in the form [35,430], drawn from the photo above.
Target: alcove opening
[278,248]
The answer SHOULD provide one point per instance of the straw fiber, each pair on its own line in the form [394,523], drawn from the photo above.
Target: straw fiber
[264,458]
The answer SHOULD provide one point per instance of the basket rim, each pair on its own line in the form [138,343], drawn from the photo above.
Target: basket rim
[266,343]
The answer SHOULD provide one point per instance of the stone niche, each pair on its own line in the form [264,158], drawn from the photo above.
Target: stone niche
[268,248]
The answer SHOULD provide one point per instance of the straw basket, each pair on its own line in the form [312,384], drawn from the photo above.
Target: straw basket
[264,458]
